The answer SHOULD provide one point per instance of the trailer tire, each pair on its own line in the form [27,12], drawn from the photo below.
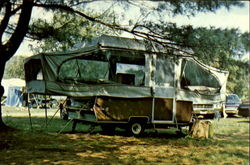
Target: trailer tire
[136,128]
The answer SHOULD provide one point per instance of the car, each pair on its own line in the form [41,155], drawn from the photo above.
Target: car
[244,109]
[232,103]
[207,110]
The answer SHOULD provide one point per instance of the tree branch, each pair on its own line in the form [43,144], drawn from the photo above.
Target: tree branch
[147,36]
[14,11]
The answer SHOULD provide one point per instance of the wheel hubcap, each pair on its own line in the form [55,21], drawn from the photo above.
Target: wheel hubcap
[136,128]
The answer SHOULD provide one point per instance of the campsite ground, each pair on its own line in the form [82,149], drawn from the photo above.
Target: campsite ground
[43,145]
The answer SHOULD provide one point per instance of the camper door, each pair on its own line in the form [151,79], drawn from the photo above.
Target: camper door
[163,75]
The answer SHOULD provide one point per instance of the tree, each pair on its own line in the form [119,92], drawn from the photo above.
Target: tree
[13,33]
[64,30]
[14,68]
[8,48]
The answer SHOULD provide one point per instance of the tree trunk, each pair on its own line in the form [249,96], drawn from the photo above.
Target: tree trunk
[10,47]
[2,124]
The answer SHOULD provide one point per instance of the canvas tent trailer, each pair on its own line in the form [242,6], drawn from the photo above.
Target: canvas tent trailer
[115,81]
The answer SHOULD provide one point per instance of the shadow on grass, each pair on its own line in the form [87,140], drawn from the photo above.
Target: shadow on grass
[45,146]
[96,138]
[57,125]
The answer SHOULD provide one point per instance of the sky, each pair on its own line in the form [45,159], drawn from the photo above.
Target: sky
[234,18]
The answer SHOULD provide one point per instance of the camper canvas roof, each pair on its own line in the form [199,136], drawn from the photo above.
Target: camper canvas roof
[94,68]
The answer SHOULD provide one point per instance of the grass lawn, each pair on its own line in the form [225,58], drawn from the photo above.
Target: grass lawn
[41,145]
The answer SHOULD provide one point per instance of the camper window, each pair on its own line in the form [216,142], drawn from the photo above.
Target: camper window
[130,74]
[198,77]
[33,70]
[84,71]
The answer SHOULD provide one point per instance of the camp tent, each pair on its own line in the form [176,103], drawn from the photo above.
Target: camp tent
[14,89]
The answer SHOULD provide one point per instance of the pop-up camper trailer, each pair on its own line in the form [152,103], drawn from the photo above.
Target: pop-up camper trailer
[123,82]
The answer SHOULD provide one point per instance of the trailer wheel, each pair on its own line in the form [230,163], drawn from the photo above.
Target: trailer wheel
[136,128]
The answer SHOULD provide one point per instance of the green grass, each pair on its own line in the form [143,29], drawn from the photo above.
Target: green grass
[230,145]
[39,124]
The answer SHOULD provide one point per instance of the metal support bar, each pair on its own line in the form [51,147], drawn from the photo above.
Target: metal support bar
[29,112]
[65,126]
[53,116]
[174,98]
[46,113]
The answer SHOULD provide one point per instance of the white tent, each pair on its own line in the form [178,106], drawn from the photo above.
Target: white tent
[6,83]
[13,90]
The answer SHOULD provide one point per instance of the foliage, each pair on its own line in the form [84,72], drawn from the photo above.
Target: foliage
[15,68]
[65,30]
